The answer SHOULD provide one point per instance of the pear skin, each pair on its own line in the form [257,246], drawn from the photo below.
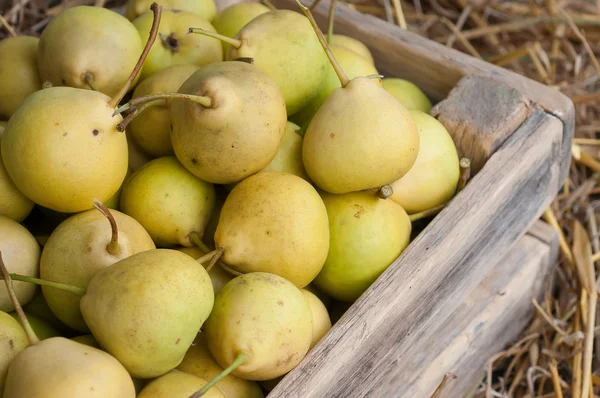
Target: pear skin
[367,235]
[88,40]
[264,317]
[77,250]
[39,308]
[128,304]
[289,156]
[232,19]
[176,384]
[205,9]
[12,340]
[87,339]
[353,44]
[13,203]
[433,179]
[218,276]
[407,93]
[277,223]
[21,254]
[320,317]
[19,76]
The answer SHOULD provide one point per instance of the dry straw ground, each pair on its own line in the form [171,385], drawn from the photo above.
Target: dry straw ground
[551,41]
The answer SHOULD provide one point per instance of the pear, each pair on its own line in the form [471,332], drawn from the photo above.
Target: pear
[13,203]
[353,44]
[114,201]
[407,93]
[176,384]
[218,276]
[205,9]
[353,64]
[209,232]
[289,157]
[433,179]
[260,322]
[169,201]
[237,132]
[42,329]
[38,307]
[2,127]
[128,304]
[80,247]
[325,299]
[232,19]
[12,340]
[137,156]
[277,223]
[151,128]
[176,46]
[360,138]
[87,339]
[367,235]
[321,323]
[198,361]
[19,76]
[22,254]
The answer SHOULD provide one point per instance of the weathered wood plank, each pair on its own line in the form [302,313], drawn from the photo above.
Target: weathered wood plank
[373,345]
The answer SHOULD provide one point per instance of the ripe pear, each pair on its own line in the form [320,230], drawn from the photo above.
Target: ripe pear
[320,317]
[354,45]
[114,201]
[128,305]
[12,340]
[59,367]
[353,64]
[176,384]
[289,157]
[21,253]
[237,133]
[218,276]
[13,203]
[2,127]
[367,235]
[78,249]
[232,19]
[407,93]
[88,340]
[151,128]
[137,156]
[19,76]
[39,308]
[433,179]
[211,228]
[60,160]
[277,223]
[205,9]
[169,201]
[175,46]
[198,361]
[42,329]
[261,320]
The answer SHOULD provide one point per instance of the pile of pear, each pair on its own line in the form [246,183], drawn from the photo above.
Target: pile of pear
[186,197]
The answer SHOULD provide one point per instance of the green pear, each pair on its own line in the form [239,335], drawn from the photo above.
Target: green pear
[137,156]
[263,323]
[176,384]
[407,93]
[19,76]
[169,201]
[218,276]
[277,223]
[38,307]
[12,340]
[433,179]
[237,132]
[80,247]
[289,156]
[42,329]
[198,361]
[211,228]
[321,323]
[205,9]
[175,46]
[21,253]
[13,203]
[151,129]
[353,44]
[232,19]
[88,47]
[367,235]
[114,201]
[147,309]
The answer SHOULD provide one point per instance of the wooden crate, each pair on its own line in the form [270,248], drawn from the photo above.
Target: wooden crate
[463,287]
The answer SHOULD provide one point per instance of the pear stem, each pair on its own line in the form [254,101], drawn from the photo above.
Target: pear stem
[336,66]
[89,80]
[230,270]
[330,23]
[113,246]
[157,10]
[230,40]
[240,359]
[7,26]
[426,213]
[206,257]
[269,5]
[204,101]
[215,258]
[31,336]
[197,240]
[385,191]
[121,127]
[465,173]
[78,291]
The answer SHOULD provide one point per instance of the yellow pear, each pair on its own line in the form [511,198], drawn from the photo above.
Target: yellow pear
[42,329]
[88,47]
[320,317]
[19,76]
[137,156]
[277,223]
[367,235]
[353,44]
[433,179]
[218,276]
[21,253]
[151,128]
[289,156]
[206,9]
[198,361]
[175,46]
[211,228]
[176,384]
[13,203]
[260,322]
[12,340]
[232,19]
[407,93]
[39,308]
[169,201]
